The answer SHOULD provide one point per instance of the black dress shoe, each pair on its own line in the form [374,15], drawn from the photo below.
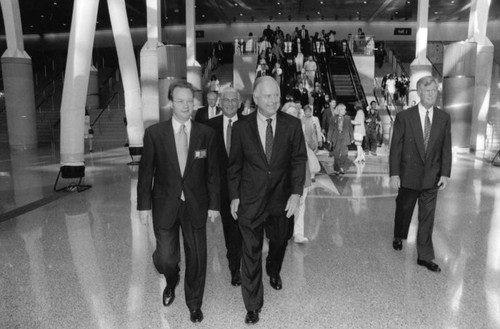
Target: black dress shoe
[275,282]
[431,266]
[252,317]
[169,293]
[397,244]
[236,278]
[196,315]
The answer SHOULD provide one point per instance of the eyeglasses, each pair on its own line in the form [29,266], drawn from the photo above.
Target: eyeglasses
[233,101]
[184,102]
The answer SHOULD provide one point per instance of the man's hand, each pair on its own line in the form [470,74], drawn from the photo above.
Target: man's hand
[292,204]
[213,214]
[235,203]
[442,183]
[395,182]
[146,217]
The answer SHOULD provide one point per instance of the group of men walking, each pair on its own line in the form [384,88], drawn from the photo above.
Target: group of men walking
[250,172]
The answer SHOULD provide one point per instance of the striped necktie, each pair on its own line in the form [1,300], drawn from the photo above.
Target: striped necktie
[269,140]
[427,129]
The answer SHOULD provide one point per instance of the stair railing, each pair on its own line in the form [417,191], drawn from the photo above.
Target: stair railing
[353,73]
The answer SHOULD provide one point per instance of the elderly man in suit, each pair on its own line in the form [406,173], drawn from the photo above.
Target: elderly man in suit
[266,174]
[223,127]
[340,136]
[203,114]
[178,187]
[419,166]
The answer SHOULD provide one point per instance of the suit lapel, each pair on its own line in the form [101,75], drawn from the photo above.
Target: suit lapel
[256,137]
[194,141]
[416,125]
[436,125]
[279,135]
[170,147]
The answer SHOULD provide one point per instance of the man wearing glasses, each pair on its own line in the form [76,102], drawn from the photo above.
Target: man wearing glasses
[178,187]
[223,127]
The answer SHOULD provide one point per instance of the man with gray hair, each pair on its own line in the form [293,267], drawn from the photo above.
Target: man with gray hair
[266,174]
[419,166]
[222,125]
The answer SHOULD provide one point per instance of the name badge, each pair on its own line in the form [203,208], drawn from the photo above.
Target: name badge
[200,154]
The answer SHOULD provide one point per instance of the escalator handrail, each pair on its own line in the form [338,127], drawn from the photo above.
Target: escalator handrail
[357,86]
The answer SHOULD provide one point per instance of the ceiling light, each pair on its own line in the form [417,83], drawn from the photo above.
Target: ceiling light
[42,16]
[435,13]
[321,2]
[357,13]
[241,14]
[203,15]
[318,13]
[397,12]
[236,4]
[278,3]
[365,2]
[55,3]
[279,13]
[452,1]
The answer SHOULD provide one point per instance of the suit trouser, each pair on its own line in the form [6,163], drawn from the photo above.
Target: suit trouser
[340,152]
[278,230]
[167,256]
[232,237]
[405,204]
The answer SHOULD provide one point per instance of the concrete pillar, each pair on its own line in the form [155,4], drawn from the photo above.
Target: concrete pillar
[194,74]
[420,66]
[174,69]
[17,75]
[478,23]
[130,75]
[76,81]
[149,65]
[93,89]
[458,89]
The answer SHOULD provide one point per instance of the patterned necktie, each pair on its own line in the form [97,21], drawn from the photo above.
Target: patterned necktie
[182,148]
[228,136]
[269,140]
[427,129]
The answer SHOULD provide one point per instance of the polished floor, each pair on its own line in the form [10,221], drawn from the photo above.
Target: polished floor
[83,260]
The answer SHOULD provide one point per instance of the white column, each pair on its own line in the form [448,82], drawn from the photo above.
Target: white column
[128,69]
[193,67]
[76,80]
[420,66]
[17,75]
[149,65]
[478,23]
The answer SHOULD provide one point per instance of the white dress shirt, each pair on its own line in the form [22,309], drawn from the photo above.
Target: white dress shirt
[177,126]
[262,126]
[422,111]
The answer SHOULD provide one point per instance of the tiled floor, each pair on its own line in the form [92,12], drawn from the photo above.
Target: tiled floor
[83,260]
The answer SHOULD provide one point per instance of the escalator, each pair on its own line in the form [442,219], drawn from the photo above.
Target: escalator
[345,82]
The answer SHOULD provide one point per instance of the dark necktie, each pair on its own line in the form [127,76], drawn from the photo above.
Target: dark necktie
[269,140]
[427,129]
[228,136]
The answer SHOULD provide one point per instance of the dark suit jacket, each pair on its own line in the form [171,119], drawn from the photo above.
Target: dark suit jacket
[334,134]
[217,124]
[160,182]
[261,186]
[417,169]
[202,114]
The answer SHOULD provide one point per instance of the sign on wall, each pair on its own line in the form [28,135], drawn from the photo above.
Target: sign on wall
[402,31]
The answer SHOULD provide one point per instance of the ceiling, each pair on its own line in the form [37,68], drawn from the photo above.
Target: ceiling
[52,16]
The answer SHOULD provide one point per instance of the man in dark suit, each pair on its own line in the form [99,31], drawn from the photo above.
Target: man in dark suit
[419,166]
[178,184]
[203,114]
[223,127]
[266,176]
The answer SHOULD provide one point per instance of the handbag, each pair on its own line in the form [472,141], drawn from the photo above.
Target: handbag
[313,161]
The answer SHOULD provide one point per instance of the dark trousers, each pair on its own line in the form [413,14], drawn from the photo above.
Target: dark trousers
[167,256]
[340,152]
[405,204]
[232,237]
[278,230]
[371,140]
